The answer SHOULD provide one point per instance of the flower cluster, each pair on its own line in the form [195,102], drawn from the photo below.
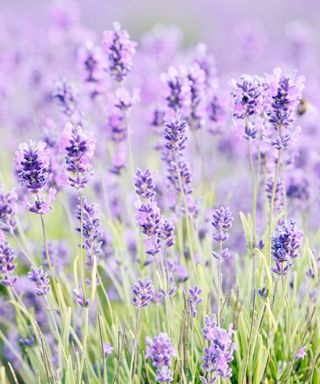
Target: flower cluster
[285,95]
[79,148]
[64,96]
[119,50]
[8,208]
[91,62]
[194,300]
[40,279]
[178,95]
[142,293]
[219,354]
[148,215]
[222,222]
[286,241]
[7,265]
[161,351]
[88,217]
[32,162]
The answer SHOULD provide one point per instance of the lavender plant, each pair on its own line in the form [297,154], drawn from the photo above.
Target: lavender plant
[116,266]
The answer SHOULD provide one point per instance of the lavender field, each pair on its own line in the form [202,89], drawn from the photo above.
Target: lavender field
[159,192]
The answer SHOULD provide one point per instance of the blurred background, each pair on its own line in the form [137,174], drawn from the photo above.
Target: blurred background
[265,25]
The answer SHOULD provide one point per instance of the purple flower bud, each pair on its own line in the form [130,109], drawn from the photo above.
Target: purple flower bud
[301,353]
[107,349]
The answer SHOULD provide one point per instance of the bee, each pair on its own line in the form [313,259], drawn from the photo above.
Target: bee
[302,107]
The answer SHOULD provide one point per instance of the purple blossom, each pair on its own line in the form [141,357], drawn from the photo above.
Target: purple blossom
[196,77]
[246,94]
[8,209]
[279,193]
[119,50]
[117,127]
[40,279]
[219,354]
[107,349]
[161,351]
[91,62]
[178,94]
[301,353]
[286,241]
[32,163]
[167,233]
[221,222]
[142,293]
[91,229]
[194,299]
[79,149]
[285,95]
[175,135]
[64,95]
[144,184]
[83,301]
[7,265]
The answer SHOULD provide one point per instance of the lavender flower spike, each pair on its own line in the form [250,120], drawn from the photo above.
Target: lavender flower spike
[194,300]
[144,184]
[7,265]
[120,51]
[8,208]
[221,222]
[286,241]
[41,280]
[32,163]
[142,293]
[161,351]
[79,148]
[219,354]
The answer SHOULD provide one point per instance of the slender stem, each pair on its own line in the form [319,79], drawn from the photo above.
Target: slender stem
[254,194]
[84,343]
[219,286]
[82,266]
[274,188]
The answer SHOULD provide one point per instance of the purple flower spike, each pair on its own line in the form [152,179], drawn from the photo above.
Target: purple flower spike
[64,95]
[221,222]
[175,135]
[161,351]
[8,209]
[79,149]
[219,354]
[41,280]
[92,232]
[142,293]
[32,163]
[7,265]
[120,51]
[194,300]
[286,241]
[144,184]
